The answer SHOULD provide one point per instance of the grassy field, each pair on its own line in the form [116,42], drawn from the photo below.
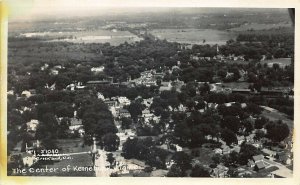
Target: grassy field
[281,61]
[257,26]
[80,160]
[276,115]
[236,85]
[194,36]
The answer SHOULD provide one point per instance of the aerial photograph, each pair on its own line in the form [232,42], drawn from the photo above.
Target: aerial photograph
[151,92]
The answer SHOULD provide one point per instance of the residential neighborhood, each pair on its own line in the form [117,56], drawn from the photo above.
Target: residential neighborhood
[151,106]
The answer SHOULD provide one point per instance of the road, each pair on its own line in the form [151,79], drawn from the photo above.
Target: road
[100,162]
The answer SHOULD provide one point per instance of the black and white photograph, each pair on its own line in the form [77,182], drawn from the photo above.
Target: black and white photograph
[194,92]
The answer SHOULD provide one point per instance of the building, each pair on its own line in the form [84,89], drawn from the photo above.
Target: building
[124,113]
[268,152]
[98,69]
[284,158]
[218,151]
[26,94]
[75,124]
[220,171]
[98,82]
[123,100]
[32,125]
[165,86]
[259,162]
[28,159]
[241,91]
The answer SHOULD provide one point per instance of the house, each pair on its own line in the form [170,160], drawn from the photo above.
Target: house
[259,162]
[97,69]
[218,151]
[28,159]
[268,152]
[123,100]
[178,148]
[225,149]
[241,91]
[134,164]
[259,165]
[26,94]
[251,163]
[75,124]
[124,113]
[165,86]
[32,125]
[54,72]
[220,171]
[284,158]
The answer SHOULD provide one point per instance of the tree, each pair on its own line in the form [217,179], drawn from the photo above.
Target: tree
[246,152]
[248,126]
[277,131]
[125,123]
[253,108]
[182,160]
[175,171]
[110,142]
[47,131]
[228,136]
[232,123]
[204,88]
[135,109]
[110,159]
[260,122]
[62,131]
[199,171]
[259,134]
[216,158]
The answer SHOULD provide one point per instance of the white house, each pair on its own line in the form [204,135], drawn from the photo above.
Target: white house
[123,100]
[32,125]
[26,94]
[29,159]
[76,124]
[98,69]
[165,86]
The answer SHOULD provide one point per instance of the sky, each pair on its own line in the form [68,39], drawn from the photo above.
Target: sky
[35,9]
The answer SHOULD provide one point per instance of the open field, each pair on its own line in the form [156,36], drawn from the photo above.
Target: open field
[194,36]
[236,85]
[79,160]
[276,115]
[281,61]
[96,36]
[259,26]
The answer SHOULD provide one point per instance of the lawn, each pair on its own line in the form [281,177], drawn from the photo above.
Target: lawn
[257,26]
[282,61]
[204,157]
[194,36]
[80,160]
[236,85]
